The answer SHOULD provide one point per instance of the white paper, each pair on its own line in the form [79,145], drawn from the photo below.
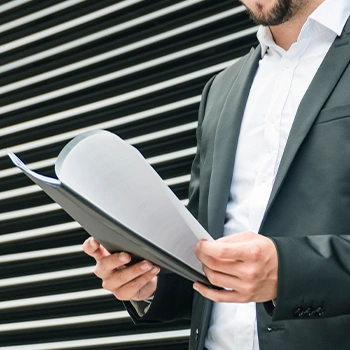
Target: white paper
[114,176]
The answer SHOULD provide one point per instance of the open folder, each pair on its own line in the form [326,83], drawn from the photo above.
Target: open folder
[107,186]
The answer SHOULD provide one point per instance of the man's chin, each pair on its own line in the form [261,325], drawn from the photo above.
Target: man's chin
[280,12]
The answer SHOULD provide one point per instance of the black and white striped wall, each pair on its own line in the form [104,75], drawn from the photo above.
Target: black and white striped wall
[134,67]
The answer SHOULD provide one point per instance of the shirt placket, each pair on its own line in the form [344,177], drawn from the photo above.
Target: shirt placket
[272,134]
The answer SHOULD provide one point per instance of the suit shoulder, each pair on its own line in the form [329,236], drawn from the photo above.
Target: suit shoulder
[229,74]
[219,86]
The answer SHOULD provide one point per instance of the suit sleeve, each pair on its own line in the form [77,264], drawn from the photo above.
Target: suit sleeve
[173,297]
[314,277]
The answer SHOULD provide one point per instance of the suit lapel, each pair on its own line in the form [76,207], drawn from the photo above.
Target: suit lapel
[226,138]
[318,92]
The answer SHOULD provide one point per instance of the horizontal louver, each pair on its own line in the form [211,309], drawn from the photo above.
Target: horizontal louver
[136,68]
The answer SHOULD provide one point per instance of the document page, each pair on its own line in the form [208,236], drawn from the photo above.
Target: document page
[25,169]
[115,178]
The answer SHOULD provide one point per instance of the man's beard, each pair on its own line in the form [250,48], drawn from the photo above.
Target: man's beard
[282,11]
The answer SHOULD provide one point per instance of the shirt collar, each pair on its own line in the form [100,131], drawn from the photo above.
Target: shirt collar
[339,10]
[265,39]
[332,14]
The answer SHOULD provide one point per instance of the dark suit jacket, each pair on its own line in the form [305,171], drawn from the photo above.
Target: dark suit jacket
[308,214]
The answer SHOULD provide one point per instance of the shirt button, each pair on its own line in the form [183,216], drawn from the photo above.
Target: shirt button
[263,177]
[273,118]
[288,64]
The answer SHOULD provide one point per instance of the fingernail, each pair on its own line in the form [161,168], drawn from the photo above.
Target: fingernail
[145,266]
[155,270]
[92,242]
[195,287]
[123,257]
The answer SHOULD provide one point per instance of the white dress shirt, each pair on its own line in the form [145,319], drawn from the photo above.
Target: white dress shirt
[280,83]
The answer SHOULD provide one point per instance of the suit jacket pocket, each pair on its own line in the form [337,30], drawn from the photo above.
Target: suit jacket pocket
[333,113]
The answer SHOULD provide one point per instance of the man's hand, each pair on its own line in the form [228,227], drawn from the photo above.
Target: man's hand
[136,282]
[245,263]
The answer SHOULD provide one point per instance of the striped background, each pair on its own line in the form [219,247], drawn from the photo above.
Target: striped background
[133,67]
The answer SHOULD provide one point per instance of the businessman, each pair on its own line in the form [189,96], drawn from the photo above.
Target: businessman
[271,183]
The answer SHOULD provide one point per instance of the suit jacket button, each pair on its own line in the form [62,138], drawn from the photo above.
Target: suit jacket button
[197,334]
[320,311]
[299,312]
[308,311]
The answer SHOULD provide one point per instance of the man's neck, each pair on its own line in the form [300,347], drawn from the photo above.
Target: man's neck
[286,34]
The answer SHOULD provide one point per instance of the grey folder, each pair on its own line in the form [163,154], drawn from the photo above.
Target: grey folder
[108,229]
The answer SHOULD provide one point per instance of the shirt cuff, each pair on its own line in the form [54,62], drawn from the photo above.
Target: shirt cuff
[141,307]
